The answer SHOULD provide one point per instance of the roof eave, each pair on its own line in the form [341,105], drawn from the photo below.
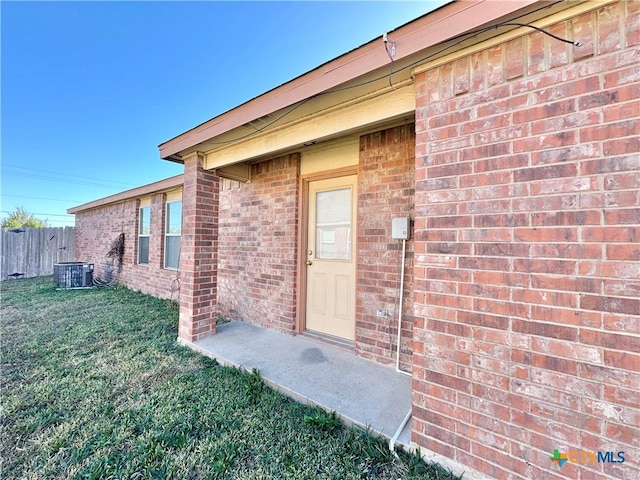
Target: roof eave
[162,185]
[428,30]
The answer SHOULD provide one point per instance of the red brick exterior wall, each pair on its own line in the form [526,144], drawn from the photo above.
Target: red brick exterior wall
[385,191]
[526,334]
[258,245]
[198,250]
[97,229]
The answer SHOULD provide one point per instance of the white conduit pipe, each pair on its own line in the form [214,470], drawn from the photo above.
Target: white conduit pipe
[394,439]
[404,245]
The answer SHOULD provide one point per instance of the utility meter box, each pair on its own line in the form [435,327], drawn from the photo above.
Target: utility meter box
[401,228]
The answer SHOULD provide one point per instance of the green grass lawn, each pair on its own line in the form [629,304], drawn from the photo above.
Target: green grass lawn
[94,385]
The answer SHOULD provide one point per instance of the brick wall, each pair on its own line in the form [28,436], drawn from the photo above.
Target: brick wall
[98,228]
[385,191]
[258,245]
[198,250]
[526,335]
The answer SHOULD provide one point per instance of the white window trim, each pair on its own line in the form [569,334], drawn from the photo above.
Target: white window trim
[144,235]
[167,234]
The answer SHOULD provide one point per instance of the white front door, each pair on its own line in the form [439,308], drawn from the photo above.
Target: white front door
[331,263]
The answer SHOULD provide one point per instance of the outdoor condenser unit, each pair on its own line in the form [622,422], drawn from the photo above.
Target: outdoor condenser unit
[73,275]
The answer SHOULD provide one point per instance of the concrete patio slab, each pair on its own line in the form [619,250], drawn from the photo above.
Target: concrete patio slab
[309,370]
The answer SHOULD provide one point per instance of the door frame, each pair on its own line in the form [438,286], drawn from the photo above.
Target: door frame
[303,236]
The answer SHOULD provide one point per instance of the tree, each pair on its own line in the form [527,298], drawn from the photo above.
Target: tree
[23,219]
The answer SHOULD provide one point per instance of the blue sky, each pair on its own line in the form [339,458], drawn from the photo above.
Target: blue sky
[90,89]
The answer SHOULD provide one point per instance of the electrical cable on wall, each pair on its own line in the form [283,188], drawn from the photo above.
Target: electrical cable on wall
[391,54]
[541,30]
[258,130]
[463,37]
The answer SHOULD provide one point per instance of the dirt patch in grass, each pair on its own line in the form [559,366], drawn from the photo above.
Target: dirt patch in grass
[96,387]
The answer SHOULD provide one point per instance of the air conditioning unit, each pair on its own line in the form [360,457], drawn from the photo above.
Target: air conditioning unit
[73,275]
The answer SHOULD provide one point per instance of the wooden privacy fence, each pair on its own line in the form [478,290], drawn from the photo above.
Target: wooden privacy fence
[33,251]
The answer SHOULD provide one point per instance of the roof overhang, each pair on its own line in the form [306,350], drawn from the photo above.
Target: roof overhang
[165,185]
[350,79]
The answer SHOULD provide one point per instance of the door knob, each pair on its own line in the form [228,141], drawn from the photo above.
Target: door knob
[309,262]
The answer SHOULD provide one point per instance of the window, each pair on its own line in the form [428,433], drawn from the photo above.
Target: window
[144,230]
[333,224]
[172,233]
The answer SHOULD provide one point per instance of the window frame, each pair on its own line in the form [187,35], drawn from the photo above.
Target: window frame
[169,235]
[141,233]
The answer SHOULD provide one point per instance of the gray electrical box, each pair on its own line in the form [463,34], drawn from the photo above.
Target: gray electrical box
[401,228]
